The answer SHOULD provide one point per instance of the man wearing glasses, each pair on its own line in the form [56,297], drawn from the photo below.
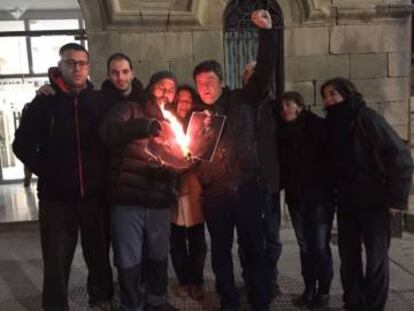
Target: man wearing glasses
[58,140]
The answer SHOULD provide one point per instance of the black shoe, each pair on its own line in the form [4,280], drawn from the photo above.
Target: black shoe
[164,307]
[320,302]
[306,299]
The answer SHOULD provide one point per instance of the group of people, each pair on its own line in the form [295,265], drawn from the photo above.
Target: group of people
[88,149]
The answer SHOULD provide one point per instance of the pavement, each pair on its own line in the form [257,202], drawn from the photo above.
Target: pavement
[21,274]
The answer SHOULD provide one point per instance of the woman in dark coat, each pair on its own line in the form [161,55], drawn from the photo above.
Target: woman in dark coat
[302,150]
[372,170]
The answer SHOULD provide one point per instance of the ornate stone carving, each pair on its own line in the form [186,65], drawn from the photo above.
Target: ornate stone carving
[152,13]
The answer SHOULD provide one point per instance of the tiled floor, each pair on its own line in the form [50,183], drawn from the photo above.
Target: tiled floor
[21,275]
[18,203]
[21,266]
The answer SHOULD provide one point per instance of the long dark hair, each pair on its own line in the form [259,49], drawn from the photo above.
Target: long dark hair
[344,87]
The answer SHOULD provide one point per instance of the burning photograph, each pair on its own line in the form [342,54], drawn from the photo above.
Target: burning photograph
[174,148]
[204,132]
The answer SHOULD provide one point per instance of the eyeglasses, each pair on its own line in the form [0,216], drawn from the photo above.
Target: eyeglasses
[73,63]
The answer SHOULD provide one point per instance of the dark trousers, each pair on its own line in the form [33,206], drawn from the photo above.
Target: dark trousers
[312,225]
[371,226]
[240,209]
[188,253]
[271,224]
[273,246]
[141,243]
[60,223]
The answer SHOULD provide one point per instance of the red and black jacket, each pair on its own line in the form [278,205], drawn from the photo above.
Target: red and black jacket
[58,140]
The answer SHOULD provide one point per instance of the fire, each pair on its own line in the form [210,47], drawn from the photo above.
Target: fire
[182,139]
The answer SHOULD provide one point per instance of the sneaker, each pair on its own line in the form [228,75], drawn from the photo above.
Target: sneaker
[196,292]
[182,291]
[102,306]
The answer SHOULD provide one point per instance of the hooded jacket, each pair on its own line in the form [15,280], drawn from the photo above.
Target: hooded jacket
[58,140]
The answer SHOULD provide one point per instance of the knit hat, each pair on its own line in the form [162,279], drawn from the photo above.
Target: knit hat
[158,76]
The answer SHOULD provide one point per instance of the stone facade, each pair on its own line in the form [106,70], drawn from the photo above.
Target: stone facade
[368,41]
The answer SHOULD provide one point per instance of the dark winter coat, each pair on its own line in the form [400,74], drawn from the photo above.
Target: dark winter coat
[266,135]
[58,140]
[303,161]
[114,95]
[135,178]
[236,160]
[371,163]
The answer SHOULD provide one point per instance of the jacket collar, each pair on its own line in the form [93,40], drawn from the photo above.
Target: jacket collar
[220,106]
[135,95]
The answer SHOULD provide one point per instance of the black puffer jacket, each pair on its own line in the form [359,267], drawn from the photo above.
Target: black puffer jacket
[371,164]
[134,177]
[237,160]
[58,140]
[303,161]
[114,95]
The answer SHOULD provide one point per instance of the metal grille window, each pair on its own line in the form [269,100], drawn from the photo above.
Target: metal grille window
[241,38]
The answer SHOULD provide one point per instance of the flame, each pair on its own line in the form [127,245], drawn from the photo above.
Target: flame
[182,139]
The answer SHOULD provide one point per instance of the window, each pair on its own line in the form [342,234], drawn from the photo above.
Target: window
[45,51]
[13,59]
[55,24]
[41,53]
[11,26]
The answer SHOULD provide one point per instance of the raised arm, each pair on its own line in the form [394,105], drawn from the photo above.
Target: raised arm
[260,83]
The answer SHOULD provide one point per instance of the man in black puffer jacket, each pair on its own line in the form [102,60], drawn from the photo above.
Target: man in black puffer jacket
[58,140]
[141,191]
[232,195]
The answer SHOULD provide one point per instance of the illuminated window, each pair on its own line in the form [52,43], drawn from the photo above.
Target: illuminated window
[13,59]
[45,51]
[11,26]
[55,24]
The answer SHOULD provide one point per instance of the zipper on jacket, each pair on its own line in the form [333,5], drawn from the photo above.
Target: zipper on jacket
[78,145]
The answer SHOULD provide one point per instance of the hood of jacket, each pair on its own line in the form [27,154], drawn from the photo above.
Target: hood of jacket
[57,82]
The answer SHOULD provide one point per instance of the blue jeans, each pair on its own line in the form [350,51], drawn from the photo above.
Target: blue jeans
[141,242]
[240,209]
[271,224]
[312,225]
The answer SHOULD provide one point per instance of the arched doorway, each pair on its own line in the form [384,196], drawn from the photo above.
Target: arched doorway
[241,39]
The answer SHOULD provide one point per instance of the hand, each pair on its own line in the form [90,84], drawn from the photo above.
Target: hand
[262,19]
[47,90]
[166,131]
[394,211]
[207,112]
[154,128]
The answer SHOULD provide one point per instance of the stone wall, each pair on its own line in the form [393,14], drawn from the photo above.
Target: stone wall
[368,41]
